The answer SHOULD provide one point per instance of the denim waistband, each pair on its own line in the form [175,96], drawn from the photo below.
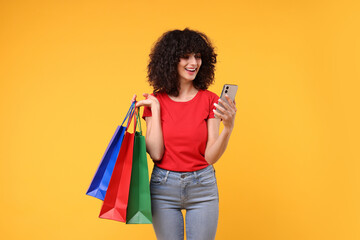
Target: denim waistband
[192,172]
[175,174]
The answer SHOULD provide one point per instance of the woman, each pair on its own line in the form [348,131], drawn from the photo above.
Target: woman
[182,135]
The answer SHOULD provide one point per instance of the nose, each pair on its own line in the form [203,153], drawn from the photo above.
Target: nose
[192,59]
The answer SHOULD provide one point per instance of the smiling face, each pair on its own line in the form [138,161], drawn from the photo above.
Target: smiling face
[189,66]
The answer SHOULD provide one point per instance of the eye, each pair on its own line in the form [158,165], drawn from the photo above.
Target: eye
[186,56]
[198,55]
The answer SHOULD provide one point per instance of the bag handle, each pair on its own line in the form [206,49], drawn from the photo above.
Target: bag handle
[133,115]
[136,112]
[128,114]
[139,120]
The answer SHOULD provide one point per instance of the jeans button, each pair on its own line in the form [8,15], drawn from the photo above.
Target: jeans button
[183,176]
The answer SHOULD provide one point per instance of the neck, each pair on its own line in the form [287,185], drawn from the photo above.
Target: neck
[186,92]
[186,89]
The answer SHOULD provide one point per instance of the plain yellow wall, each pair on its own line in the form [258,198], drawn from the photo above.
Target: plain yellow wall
[68,70]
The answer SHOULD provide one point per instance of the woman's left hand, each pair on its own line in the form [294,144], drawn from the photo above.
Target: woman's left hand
[228,112]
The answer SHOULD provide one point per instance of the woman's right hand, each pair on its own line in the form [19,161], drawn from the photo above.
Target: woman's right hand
[154,138]
[149,101]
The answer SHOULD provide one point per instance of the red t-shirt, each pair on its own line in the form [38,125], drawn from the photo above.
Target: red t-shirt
[184,126]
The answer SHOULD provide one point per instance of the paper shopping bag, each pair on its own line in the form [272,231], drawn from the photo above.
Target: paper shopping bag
[139,204]
[100,182]
[117,195]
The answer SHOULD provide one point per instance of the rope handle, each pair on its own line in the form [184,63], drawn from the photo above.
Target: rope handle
[133,115]
[139,120]
[128,113]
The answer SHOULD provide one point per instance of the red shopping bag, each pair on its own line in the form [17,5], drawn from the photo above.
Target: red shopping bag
[117,195]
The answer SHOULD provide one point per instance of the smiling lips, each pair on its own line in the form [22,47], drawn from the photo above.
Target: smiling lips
[191,70]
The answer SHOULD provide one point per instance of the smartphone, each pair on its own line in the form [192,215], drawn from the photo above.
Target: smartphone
[230,90]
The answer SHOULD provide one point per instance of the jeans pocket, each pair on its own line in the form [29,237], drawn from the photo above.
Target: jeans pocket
[207,178]
[157,177]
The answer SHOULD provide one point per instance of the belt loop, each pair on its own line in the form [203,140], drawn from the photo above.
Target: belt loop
[196,176]
[166,175]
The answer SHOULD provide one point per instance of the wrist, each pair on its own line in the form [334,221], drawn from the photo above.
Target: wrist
[227,130]
[155,109]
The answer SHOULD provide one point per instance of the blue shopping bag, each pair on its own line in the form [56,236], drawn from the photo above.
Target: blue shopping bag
[100,182]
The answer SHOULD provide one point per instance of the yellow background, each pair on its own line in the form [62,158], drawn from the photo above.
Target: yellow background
[68,70]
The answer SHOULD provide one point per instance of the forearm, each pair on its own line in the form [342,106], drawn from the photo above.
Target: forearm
[154,136]
[216,150]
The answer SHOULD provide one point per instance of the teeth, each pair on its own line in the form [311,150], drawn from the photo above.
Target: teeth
[191,69]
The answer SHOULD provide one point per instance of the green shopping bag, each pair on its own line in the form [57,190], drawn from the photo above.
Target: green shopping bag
[139,205]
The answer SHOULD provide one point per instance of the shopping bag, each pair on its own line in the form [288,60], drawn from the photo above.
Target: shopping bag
[102,176]
[139,204]
[117,194]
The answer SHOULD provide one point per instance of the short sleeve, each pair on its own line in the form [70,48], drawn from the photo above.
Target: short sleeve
[147,112]
[213,99]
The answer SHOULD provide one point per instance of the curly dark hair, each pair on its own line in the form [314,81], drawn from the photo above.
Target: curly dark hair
[165,56]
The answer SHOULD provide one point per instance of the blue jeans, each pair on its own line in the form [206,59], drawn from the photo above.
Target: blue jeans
[196,192]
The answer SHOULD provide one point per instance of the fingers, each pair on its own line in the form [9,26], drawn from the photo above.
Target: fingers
[133,99]
[217,114]
[222,115]
[146,102]
[219,107]
[226,110]
[225,106]
[139,103]
[225,116]
[229,103]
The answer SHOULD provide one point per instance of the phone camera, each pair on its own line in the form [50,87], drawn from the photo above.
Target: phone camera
[227,87]
[226,91]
